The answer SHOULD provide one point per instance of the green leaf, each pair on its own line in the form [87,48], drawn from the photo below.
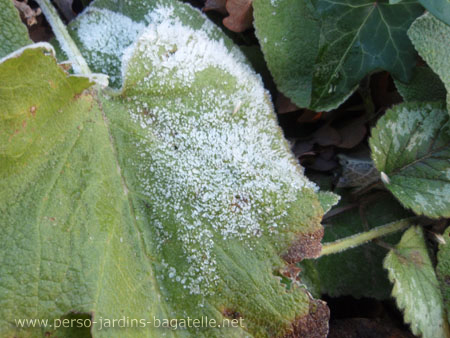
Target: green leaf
[439,8]
[359,271]
[176,197]
[416,288]
[14,33]
[411,148]
[431,38]
[105,30]
[318,51]
[424,86]
[443,269]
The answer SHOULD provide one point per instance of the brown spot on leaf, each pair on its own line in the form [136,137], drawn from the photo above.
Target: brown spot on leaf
[306,246]
[416,258]
[231,313]
[290,271]
[314,324]
[33,110]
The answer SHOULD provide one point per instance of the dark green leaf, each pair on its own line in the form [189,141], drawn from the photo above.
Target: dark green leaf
[439,8]
[318,51]
[359,271]
[424,86]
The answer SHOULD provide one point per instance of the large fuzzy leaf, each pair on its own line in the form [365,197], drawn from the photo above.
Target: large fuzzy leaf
[431,38]
[174,198]
[14,33]
[359,271]
[319,50]
[411,147]
[443,269]
[416,288]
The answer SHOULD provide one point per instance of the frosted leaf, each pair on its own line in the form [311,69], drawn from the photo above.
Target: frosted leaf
[411,149]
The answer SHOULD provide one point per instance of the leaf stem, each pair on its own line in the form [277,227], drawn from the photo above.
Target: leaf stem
[364,237]
[79,64]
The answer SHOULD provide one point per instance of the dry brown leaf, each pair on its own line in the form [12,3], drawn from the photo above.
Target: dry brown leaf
[215,5]
[352,133]
[29,13]
[309,116]
[327,136]
[284,105]
[241,15]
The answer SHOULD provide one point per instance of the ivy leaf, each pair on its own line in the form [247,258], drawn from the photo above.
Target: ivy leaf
[443,269]
[14,33]
[424,86]
[359,271]
[411,147]
[431,38]
[416,288]
[319,50]
[153,201]
[439,8]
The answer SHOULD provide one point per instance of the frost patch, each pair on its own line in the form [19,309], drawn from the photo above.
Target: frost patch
[213,164]
[105,35]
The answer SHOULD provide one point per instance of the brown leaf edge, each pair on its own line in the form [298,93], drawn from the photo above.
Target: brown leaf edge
[314,325]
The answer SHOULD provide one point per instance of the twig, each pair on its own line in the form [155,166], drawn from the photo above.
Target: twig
[65,40]
[362,238]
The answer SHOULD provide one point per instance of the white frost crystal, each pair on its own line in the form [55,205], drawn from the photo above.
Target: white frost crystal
[211,156]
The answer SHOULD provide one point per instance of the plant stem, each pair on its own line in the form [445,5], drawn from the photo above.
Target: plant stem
[65,40]
[364,237]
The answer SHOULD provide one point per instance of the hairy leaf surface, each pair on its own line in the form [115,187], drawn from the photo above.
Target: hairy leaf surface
[174,198]
[431,38]
[14,33]
[443,269]
[425,86]
[416,288]
[411,147]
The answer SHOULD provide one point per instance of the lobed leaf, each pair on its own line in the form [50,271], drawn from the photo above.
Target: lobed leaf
[416,288]
[318,51]
[411,147]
